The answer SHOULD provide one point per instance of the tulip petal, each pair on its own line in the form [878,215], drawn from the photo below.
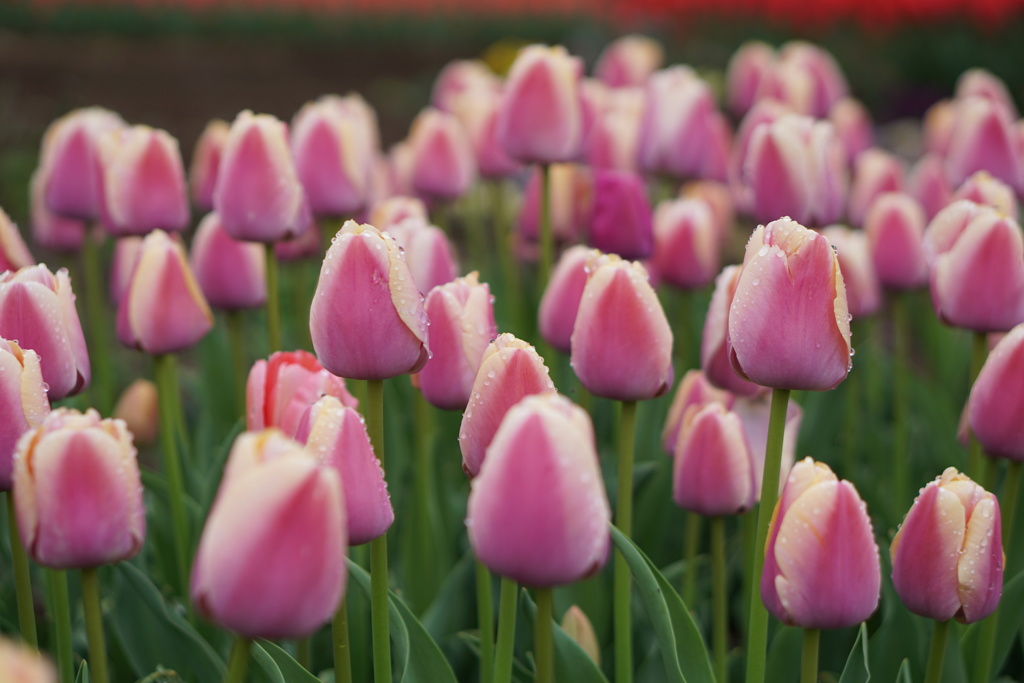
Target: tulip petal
[980,571]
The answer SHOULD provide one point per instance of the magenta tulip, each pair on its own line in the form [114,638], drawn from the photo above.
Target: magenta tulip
[621,222]
[51,230]
[895,230]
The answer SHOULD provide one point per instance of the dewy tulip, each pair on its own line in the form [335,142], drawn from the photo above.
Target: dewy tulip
[23,402]
[876,172]
[714,347]
[202,173]
[77,491]
[51,230]
[271,560]
[676,126]
[231,273]
[561,300]
[428,252]
[863,291]
[162,310]
[280,390]
[947,557]
[444,166]
[143,182]
[686,243]
[13,252]
[367,319]
[895,230]
[541,118]
[510,370]
[461,314]
[629,61]
[538,512]
[821,566]
[336,435]
[621,223]
[995,410]
[620,313]
[714,468]
[37,308]
[694,392]
[258,195]
[983,139]
[789,322]
[70,164]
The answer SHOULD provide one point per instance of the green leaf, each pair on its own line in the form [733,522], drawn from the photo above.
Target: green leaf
[1009,615]
[83,673]
[903,675]
[571,662]
[784,655]
[292,671]
[857,665]
[266,663]
[678,637]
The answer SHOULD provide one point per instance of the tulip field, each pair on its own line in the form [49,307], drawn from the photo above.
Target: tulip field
[606,372]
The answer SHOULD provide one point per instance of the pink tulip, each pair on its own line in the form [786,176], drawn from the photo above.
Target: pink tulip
[572,197]
[23,402]
[927,183]
[676,125]
[747,66]
[139,407]
[477,109]
[509,371]
[271,560]
[764,112]
[983,188]
[714,468]
[938,127]
[821,565]
[789,323]
[718,199]
[615,134]
[336,435]
[538,513]
[541,119]
[983,139]
[461,313]
[51,230]
[714,347]
[628,61]
[459,77]
[876,172]
[231,273]
[995,410]
[827,79]
[13,252]
[37,308]
[777,170]
[895,230]
[686,243]
[618,314]
[863,290]
[126,253]
[789,83]
[202,173]
[400,168]
[853,126]
[70,165]
[947,557]
[693,393]
[982,83]
[428,253]
[280,390]
[77,491]
[621,222]
[394,210]
[163,310]
[561,299]
[143,182]
[258,195]
[367,319]
[444,166]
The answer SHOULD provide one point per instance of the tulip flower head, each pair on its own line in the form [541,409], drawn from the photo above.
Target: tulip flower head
[714,467]
[895,230]
[995,409]
[675,133]
[561,300]
[231,273]
[686,243]
[13,252]
[714,347]
[428,252]
[444,166]
[51,230]
[23,401]
[629,61]
[202,173]
[947,557]
[621,222]
[863,290]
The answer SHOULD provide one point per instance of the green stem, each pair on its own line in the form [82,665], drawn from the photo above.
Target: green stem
[506,631]
[273,300]
[720,614]
[379,626]
[424,573]
[748,531]
[975,458]
[757,633]
[94,626]
[169,400]
[691,546]
[485,620]
[543,636]
[342,647]
[1011,491]
[852,417]
[99,343]
[304,653]
[239,662]
[236,341]
[937,652]
[61,612]
[547,237]
[512,297]
[901,427]
[22,578]
[622,587]
[809,660]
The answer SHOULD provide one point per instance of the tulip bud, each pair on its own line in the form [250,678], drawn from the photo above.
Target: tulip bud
[743,75]
[714,468]
[619,313]
[876,172]
[578,627]
[981,83]
[271,560]
[947,557]
[789,322]
[51,230]
[13,252]
[561,299]
[202,173]
[477,109]
[686,243]
[995,410]
[790,84]
[126,253]
[77,491]
[70,164]
[615,134]
[280,391]
[714,349]
[983,188]
[829,83]
[863,291]
[853,126]
[821,566]
[139,408]
[571,202]
[37,308]
[674,133]
[983,139]
[163,310]
[538,513]
[21,664]
[693,393]
[427,251]
[461,313]
[336,435]
[395,210]
[719,200]
[458,77]
[895,231]
[258,195]
[509,371]
[776,170]
[629,61]
[621,223]
[763,112]
[928,185]
[367,319]
[443,163]
[22,401]
[231,273]
[541,119]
